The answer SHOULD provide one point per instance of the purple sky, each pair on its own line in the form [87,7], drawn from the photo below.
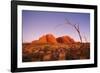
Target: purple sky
[38,23]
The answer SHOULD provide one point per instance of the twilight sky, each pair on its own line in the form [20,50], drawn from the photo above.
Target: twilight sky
[38,23]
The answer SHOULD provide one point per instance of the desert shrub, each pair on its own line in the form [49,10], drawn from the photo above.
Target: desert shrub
[48,52]
[68,54]
[55,54]
[85,53]
[27,58]
[72,54]
[46,48]
[47,56]
[62,54]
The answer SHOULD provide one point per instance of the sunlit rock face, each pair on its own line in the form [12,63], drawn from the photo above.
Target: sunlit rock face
[65,40]
[49,38]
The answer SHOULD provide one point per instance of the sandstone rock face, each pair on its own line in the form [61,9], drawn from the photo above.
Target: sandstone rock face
[49,38]
[43,39]
[65,40]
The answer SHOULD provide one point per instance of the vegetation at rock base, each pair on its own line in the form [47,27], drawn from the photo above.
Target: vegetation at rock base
[54,50]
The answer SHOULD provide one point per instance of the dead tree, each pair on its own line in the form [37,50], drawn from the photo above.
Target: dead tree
[76,27]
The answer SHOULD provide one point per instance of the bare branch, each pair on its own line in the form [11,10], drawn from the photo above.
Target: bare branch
[76,28]
[68,22]
[85,38]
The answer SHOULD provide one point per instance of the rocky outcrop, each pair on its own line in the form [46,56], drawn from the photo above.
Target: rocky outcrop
[65,40]
[49,38]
